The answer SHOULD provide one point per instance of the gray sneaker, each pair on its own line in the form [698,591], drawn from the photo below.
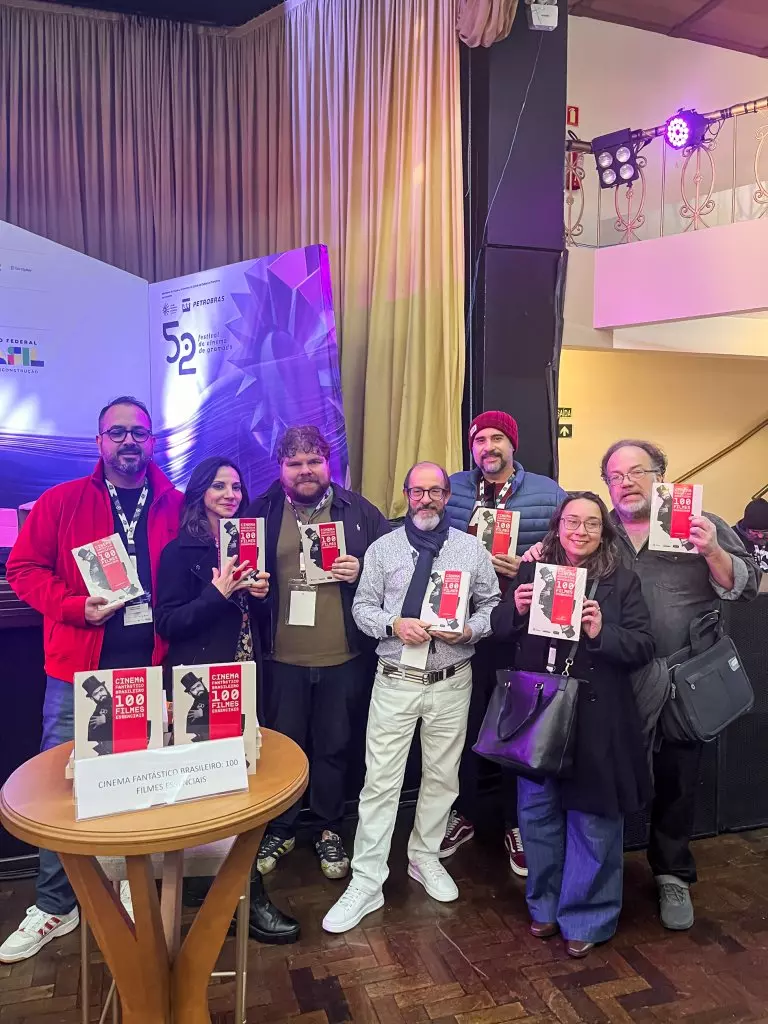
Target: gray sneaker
[675,906]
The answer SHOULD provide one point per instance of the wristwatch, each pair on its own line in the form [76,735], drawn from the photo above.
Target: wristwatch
[389,628]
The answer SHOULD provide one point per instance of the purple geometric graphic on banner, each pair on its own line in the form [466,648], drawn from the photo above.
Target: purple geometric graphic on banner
[287,347]
[282,370]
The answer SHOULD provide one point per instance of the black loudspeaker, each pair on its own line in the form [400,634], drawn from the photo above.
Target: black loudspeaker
[744,762]
[514,370]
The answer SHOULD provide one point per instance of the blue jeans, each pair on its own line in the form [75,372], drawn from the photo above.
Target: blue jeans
[54,893]
[575,864]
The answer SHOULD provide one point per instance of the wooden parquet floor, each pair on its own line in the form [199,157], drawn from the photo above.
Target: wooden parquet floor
[472,962]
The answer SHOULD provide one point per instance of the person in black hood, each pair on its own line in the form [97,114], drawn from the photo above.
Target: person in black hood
[753,530]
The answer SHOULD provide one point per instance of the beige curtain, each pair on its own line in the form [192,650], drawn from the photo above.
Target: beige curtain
[485,22]
[165,149]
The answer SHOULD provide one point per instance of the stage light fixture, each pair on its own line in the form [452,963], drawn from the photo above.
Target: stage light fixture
[616,158]
[685,129]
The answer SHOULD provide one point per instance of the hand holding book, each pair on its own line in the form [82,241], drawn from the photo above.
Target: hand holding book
[346,569]
[506,565]
[98,610]
[452,638]
[592,619]
[703,536]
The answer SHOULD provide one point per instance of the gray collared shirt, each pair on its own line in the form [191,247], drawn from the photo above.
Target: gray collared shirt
[678,588]
[384,582]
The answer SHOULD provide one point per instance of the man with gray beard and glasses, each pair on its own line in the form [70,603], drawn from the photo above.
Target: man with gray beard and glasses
[678,588]
[388,606]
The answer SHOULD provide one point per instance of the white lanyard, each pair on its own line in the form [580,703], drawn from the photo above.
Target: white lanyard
[129,528]
[318,507]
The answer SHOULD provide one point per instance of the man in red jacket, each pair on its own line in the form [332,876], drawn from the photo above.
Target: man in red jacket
[128,495]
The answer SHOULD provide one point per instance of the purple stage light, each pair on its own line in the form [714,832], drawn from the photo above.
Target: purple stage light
[686,128]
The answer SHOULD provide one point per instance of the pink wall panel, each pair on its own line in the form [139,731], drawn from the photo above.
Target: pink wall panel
[710,272]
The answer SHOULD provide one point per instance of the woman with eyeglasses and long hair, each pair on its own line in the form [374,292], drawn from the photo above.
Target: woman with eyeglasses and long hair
[573,828]
[206,615]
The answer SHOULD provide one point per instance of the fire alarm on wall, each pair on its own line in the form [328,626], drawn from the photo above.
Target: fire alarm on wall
[572,117]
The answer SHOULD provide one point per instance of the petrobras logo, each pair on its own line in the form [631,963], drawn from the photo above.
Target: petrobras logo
[211,301]
[186,305]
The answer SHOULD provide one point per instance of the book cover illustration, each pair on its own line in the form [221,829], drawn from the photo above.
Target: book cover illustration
[107,569]
[446,601]
[244,540]
[497,529]
[214,702]
[672,508]
[321,544]
[558,601]
[117,710]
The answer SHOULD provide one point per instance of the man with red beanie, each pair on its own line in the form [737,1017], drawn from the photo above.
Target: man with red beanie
[497,481]
[128,495]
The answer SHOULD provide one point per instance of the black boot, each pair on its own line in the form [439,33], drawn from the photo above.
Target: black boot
[266,922]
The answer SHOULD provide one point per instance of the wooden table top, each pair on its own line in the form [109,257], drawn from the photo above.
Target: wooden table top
[37,805]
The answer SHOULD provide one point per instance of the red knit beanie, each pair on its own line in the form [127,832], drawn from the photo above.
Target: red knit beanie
[500,420]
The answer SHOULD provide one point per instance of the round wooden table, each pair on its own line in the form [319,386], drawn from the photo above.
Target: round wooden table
[157,985]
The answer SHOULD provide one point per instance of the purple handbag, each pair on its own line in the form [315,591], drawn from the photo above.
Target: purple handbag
[530,724]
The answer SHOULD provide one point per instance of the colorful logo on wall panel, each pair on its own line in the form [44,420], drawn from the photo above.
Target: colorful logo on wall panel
[240,353]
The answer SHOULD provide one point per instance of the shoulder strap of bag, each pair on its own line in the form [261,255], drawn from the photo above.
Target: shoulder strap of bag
[574,646]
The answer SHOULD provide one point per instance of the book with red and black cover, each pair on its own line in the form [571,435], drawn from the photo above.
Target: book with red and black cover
[558,601]
[117,710]
[497,529]
[215,702]
[107,570]
[672,508]
[243,539]
[446,601]
[322,544]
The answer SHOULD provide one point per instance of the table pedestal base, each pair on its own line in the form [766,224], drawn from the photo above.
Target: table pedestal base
[155,986]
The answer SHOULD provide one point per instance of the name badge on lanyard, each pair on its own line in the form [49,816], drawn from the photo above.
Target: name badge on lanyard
[138,613]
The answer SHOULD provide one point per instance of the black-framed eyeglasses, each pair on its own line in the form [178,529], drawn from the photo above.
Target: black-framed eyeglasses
[417,493]
[634,476]
[572,523]
[118,434]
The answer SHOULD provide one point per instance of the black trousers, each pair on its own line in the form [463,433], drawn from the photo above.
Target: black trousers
[315,708]
[676,775]
[489,656]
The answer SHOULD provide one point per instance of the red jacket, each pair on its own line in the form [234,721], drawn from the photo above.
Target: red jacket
[42,570]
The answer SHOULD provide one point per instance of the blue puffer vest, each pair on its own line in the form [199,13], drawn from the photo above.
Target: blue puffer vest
[534,497]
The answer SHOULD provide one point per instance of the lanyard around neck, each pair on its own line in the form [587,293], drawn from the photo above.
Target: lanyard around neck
[501,497]
[318,507]
[129,528]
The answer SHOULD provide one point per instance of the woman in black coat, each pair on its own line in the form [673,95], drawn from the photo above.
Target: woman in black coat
[573,828]
[205,616]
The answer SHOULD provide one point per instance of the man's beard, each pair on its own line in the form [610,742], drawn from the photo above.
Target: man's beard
[493,458]
[306,496]
[637,512]
[123,464]
[426,519]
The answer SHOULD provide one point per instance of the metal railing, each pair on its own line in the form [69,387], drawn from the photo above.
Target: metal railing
[721,181]
[722,454]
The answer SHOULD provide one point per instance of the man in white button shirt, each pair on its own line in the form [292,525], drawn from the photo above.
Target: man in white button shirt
[398,569]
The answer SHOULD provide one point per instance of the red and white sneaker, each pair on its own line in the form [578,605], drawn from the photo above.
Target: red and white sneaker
[514,844]
[457,832]
[37,929]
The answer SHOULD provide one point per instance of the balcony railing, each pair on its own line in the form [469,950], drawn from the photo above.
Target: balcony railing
[722,181]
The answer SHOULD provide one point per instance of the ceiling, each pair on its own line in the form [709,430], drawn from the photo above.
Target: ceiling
[734,24]
[206,12]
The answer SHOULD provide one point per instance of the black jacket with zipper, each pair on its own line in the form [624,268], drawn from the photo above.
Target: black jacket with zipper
[610,772]
[363,524]
[201,626]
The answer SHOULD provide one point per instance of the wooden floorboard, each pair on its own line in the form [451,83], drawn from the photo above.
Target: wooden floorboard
[471,962]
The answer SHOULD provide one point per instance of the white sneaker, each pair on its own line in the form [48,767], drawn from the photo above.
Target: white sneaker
[348,911]
[435,879]
[35,931]
[126,899]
